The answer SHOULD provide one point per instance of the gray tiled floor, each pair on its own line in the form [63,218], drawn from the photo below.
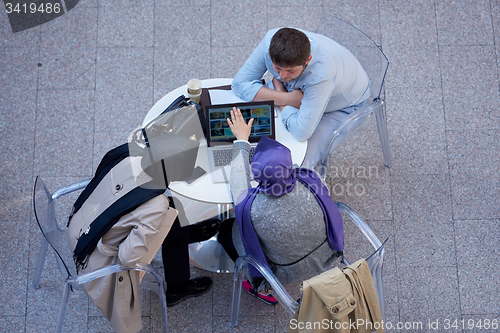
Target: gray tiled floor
[75,87]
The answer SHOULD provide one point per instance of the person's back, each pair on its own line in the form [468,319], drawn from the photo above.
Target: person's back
[290,211]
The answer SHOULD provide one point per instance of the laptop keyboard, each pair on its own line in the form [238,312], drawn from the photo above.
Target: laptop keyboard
[223,157]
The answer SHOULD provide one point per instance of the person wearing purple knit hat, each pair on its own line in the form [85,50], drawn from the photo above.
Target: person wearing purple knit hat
[288,221]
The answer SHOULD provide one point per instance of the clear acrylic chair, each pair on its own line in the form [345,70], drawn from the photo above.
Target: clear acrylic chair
[56,237]
[375,262]
[375,64]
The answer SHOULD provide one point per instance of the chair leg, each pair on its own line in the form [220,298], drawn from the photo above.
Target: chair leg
[321,168]
[235,306]
[379,288]
[382,131]
[155,283]
[163,302]
[41,261]
[376,263]
[62,309]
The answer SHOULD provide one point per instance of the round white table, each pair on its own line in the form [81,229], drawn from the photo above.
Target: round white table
[212,197]
[204,189]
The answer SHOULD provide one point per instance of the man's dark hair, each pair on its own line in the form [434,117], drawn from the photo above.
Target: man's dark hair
[289,48]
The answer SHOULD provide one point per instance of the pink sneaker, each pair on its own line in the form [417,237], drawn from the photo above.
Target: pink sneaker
[268,299]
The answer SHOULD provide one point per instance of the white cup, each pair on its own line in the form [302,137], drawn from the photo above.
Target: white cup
[194,90]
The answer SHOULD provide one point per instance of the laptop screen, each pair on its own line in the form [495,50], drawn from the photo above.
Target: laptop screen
[218,129]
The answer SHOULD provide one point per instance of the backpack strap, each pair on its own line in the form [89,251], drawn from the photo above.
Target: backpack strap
[111,159]
[107,219]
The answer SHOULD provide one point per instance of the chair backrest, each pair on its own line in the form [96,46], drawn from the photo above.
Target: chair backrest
[371,57]
[375,262]
[375,64]
[55,236]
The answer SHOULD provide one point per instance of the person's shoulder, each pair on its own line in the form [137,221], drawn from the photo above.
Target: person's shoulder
[271,33]
[315,73]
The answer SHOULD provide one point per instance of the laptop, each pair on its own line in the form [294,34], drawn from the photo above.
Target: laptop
[220,138]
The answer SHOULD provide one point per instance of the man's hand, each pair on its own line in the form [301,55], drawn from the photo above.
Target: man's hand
[280,95]
[278,85]
[240,129]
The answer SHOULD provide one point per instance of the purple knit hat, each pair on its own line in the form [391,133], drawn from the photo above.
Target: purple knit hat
[272,167]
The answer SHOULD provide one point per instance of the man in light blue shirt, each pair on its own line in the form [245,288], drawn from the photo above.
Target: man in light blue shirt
[317,82]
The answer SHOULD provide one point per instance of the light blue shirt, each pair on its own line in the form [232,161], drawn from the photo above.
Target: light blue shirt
[333,80]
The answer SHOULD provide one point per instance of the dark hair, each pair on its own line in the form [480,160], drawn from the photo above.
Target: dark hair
[289,48]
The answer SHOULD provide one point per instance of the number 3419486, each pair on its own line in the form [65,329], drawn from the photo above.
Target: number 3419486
[32,8]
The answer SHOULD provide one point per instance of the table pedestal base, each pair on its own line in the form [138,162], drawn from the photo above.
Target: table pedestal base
[211,256]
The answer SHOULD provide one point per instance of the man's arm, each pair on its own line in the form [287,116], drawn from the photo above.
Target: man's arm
[247,82]
[301,122]
[280,95]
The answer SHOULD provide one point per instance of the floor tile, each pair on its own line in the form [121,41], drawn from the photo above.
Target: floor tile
[431,239]
[419,287]
[75,31]
[475,196]
[414,68]
[192,3]
[64,133]
[229,32]
[126,25]
[19,60]
[470,88]
[227,61]
[67,69]
[245,324]
[295,3]
[68,50]
[464,22]
[43,303]
[16,197]
[180,39]
[495,8]
[17,123]
[281,319]
[469,233]
[478,288]
[98,324]
[474,151]
[416,130]
[421,197]
[358,177]
[104,142]
[26,39]
[124,88]
[174,31]
[364,15]
[408,24]
[13,324]
[87,3]
[13,256]
[18,99]
[304,17]
[183,323]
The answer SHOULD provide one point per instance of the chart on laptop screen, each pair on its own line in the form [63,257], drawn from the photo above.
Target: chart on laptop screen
[219,128]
